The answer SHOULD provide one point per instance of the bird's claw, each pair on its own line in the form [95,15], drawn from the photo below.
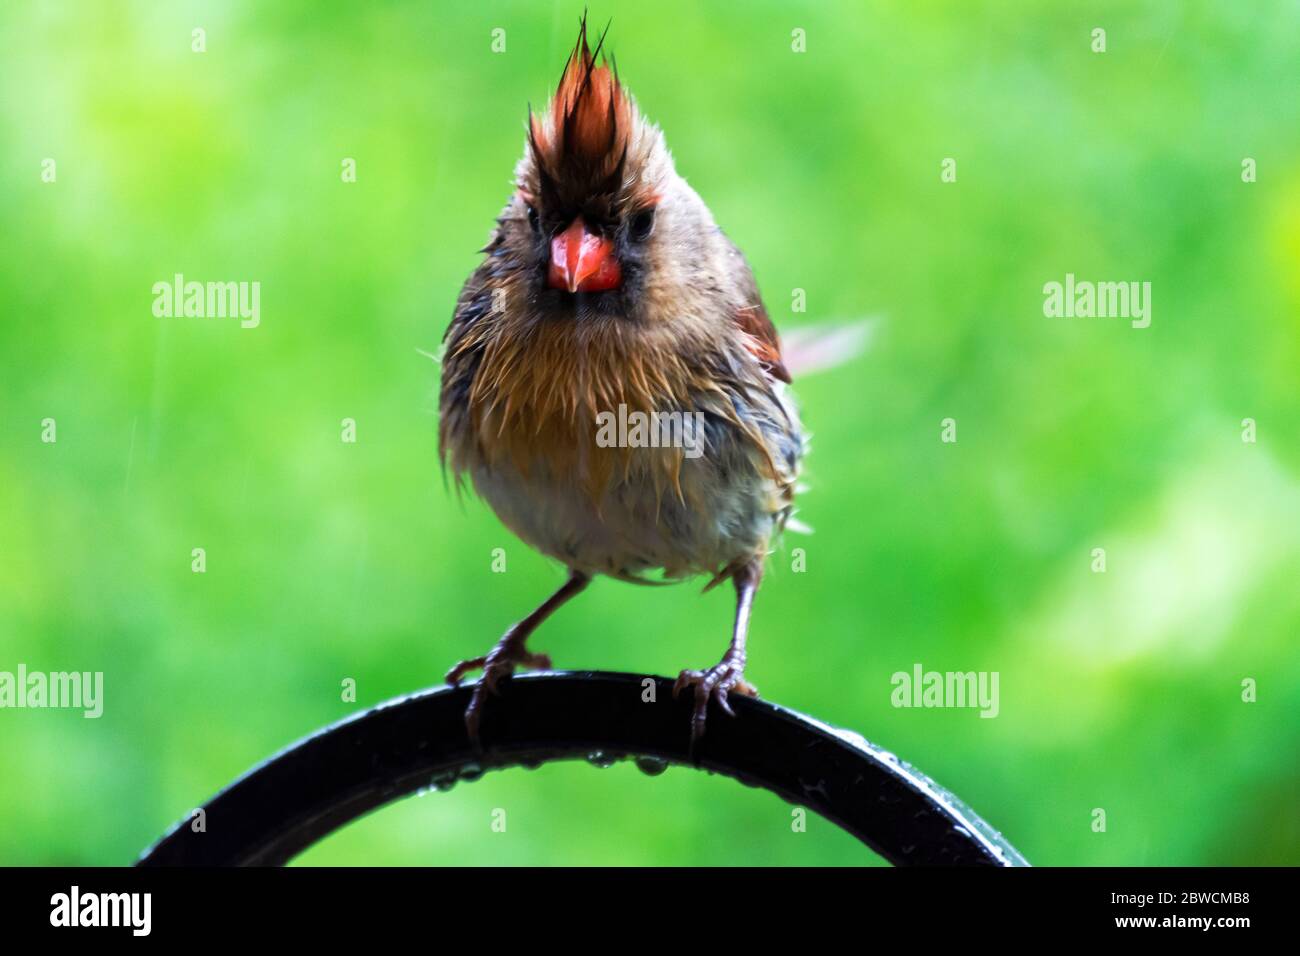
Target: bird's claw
[496,668]
[457,673]
[716,683]
[498,663]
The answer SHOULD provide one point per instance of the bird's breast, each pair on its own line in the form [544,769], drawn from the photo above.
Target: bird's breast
[616,457]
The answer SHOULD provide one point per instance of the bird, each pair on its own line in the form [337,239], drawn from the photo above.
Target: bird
[611,382]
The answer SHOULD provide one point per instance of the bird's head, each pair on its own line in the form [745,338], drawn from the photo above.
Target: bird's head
[600,219]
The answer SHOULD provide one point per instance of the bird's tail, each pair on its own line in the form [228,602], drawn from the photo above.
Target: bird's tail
[807,349]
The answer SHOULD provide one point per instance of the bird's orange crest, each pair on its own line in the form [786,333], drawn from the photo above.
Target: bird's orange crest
[582,147]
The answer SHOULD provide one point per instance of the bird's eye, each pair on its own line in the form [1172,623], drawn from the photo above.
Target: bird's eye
[642,224]
[534,220]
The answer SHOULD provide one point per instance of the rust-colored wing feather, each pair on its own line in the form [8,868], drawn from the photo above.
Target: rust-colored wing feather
[763,340]
[752,319]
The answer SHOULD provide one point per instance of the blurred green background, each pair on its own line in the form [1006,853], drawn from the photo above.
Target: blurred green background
[326,560]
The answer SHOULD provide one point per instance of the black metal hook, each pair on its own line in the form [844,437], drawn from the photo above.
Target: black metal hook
[307,791]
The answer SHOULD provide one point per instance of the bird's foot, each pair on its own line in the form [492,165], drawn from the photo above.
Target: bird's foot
[716,683]
[499,662]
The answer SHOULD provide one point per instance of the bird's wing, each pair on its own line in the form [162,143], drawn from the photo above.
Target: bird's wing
[763,340]
[462,350]
[751,317]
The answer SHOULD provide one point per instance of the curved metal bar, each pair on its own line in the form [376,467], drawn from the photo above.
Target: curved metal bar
[321,783]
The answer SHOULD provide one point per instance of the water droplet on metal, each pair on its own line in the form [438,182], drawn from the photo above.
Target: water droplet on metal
[851,737]
[651,766]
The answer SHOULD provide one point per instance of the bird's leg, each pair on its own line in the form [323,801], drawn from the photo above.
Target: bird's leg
[728,674]
[511,652]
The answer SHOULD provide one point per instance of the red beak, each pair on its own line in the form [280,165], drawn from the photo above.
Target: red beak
[582,261]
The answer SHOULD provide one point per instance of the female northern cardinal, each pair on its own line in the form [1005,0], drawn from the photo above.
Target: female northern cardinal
[608,293]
